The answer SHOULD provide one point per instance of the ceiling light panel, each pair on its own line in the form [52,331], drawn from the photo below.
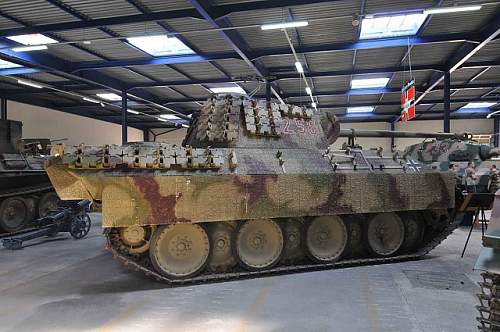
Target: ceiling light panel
[367,83]
[32,39]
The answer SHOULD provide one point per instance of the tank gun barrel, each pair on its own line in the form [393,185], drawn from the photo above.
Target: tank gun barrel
[402,134]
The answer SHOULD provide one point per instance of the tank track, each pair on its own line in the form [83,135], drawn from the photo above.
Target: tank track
[489,299]
[207,277]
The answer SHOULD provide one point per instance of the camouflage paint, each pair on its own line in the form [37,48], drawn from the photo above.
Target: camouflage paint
[285,172]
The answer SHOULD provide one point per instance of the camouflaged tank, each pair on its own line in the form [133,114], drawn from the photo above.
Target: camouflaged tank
[254,190]
[440,153]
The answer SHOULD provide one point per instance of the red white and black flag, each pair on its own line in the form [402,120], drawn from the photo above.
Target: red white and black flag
[408,101]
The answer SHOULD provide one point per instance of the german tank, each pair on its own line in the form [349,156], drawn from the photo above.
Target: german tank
[256,189]
[25,189]
[458,151]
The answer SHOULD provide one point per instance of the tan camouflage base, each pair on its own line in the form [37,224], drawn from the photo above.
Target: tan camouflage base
[243,161]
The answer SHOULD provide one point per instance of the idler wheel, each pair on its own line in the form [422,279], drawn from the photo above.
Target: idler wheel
[221,257]
[414,231]
[136,238]
[292,231]
[258,244]
[48,202]
[385,234]
[325,239]
[179,251]
[14,214]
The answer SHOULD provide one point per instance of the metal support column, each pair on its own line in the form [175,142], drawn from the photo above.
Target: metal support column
[393,127]
[268,92]
[496,130]
[446,99]
[3,109]
[124,117]
[146,134]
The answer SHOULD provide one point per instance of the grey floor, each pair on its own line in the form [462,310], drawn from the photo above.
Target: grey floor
[68,285]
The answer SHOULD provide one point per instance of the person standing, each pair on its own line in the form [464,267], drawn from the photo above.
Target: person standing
[494,181]
[470,177]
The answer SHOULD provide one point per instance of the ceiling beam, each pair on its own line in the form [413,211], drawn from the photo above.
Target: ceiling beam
[217,11]
[252,56]
[490,31]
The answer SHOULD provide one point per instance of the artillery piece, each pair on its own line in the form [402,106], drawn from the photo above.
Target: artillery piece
[256,189]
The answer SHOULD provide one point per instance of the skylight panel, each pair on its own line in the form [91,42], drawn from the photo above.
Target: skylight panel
[228,89]
[366,83]
[6,64]
[482,104]
[109,96]
[391,26]
[32,39]
[360,109]
[160,45]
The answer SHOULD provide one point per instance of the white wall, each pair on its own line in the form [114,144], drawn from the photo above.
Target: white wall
[41,122]
[173,137]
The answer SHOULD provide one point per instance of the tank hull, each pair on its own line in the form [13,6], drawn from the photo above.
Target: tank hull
[256,190]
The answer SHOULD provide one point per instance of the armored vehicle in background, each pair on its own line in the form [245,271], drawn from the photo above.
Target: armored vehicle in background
[256,189]
[25,189]
[440,153]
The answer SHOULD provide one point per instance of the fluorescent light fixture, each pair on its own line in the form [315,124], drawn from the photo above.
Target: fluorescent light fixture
[482,104]
[284,25]
[7,64]
[308,90]
[229,89]
[391,25]
[90,100]
[360,109]
[160,45]
[28,83]
[455,9]
[162,120]
[313,104]
[185,125]
[109,96]
[366,83]
[29,48]
[170,117]
[32,39]
[299,67]
[132,111]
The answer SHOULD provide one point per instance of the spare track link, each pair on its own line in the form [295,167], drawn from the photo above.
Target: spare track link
[489,302]
[214,277]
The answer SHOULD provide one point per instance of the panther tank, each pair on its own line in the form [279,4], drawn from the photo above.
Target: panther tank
[440,153]
[25,189]
[256,189]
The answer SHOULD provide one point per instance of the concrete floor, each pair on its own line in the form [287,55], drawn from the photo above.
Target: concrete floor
[68,285]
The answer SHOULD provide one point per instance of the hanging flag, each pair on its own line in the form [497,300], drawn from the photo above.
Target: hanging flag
[408,101]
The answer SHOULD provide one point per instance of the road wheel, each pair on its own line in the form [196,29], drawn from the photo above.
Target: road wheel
[179,251]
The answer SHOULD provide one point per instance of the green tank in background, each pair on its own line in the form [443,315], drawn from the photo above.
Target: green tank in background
[25,190]
[257,189]
[469,159]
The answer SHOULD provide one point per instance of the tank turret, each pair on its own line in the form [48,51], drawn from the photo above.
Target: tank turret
[237,122]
